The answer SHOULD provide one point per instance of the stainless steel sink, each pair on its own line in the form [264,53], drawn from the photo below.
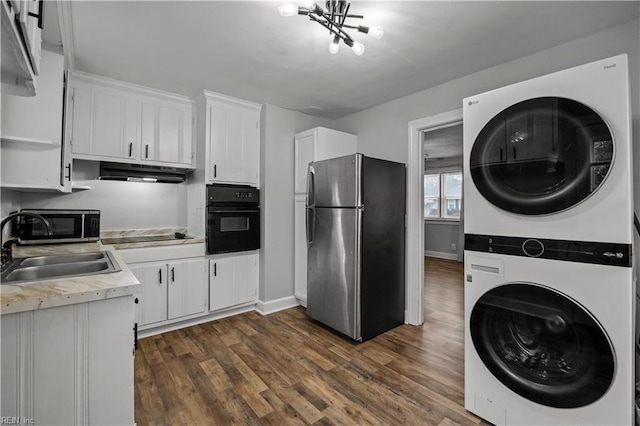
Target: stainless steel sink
[60,259]
[59,266]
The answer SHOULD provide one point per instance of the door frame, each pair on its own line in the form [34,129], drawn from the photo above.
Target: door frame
[414,314]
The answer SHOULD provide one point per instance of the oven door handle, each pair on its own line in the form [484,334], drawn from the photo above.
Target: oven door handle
[235,211]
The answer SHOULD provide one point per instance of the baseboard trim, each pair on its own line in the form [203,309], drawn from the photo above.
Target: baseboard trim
[195,321]
[441,255]
[266,308]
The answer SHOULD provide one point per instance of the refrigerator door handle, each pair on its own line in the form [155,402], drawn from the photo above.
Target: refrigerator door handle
[311,225]
[311,186]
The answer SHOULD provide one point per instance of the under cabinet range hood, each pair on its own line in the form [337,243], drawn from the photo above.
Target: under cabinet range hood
[141,173]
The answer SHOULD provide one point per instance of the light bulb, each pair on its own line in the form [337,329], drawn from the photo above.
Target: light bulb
[288,9]
[334,46]
[376,32]
[358,48]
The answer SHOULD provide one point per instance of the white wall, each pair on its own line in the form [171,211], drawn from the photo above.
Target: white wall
[123,205]
[276,167]
[383,130]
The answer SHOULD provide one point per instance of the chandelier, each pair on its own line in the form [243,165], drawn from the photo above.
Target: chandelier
[333,18]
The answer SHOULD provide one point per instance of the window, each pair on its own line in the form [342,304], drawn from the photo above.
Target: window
[443,195]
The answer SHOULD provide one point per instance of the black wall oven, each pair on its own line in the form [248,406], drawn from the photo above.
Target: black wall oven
[233,218]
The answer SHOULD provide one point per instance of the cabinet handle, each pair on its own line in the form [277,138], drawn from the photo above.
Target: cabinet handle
[500,154]
[130,149]
[135,337]
[146,151]
[514,153]
[40,14]
[215,170]
[68,167]
[173,275]
[215,269]
[160,275]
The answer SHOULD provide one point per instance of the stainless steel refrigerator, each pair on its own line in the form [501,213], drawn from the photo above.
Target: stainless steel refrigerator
[356,244]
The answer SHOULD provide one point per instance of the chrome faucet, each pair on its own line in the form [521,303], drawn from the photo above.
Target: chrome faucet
[7,256]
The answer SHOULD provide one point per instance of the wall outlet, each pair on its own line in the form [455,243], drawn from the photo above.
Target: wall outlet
[453,246]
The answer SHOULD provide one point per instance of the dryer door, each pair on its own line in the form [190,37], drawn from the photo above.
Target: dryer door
[541,156]
[542,345]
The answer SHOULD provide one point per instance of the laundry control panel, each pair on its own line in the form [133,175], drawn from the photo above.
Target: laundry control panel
[573,251]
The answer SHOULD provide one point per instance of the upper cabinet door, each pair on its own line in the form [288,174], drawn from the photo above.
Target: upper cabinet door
[234,144]
[30,10]
[318,144]
[111,123]
[166,133]
[104,123]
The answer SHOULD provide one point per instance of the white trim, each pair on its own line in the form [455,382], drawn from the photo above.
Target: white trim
[302,299]
[66,33]
[266,308]
[441,255]
[151,331]
[415,214]
[110,83]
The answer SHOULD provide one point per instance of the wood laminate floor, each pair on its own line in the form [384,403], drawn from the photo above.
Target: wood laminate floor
[284,369]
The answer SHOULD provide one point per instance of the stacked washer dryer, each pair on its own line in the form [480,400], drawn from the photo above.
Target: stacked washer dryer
[549,287]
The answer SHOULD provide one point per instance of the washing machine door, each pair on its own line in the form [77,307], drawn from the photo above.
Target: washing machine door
[541,156]
[542,345]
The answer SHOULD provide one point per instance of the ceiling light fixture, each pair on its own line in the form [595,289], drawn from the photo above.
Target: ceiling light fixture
[333,18]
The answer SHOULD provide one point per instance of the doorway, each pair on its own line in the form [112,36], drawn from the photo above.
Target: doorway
[442,154]
[415,209]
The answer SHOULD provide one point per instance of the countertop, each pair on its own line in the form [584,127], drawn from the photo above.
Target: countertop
[165,235]
[28,296]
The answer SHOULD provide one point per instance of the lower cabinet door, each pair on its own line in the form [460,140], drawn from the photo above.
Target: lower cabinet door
[187,290]
[233,280]
[153,300]
[69,365]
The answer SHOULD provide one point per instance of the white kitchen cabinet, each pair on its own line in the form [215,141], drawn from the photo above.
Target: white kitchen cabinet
[32,144]
[166,131]
[30,11]
[71,364]
[21,46]
[300,250]
[233,280]
[104,123]
[231,138]
[152,302]
[171,289]
[187,282]
[318,144]
[315,144]
[115,121]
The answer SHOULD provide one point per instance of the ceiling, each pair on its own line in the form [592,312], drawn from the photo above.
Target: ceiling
[442,143]
[247,50]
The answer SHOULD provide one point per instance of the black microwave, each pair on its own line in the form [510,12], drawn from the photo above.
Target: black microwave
[67,226]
